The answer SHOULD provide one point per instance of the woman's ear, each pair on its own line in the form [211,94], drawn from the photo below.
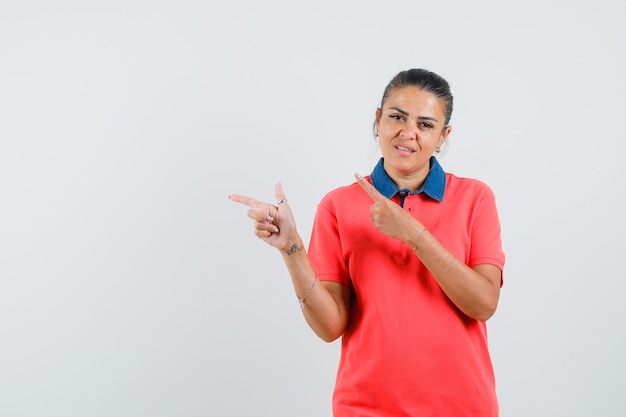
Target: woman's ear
[444,135]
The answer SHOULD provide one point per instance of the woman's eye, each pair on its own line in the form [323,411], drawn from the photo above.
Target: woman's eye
[396,116]
[426,125]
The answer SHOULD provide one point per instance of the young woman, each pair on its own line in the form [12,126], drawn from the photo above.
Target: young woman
[405,265]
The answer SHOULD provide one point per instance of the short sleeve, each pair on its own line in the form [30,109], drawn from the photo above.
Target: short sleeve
[325,249]
[486,242]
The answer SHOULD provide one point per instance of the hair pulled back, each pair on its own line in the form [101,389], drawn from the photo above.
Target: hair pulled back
[424,80]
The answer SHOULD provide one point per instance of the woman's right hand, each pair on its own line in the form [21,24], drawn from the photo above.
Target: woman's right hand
[273,223]
[327,306]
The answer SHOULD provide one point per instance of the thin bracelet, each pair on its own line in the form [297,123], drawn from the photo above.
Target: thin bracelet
[418,240]
[301,300]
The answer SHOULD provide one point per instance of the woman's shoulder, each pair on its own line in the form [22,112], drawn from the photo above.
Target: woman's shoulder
[465,181]
[345,195]
[455,183]
[342,192]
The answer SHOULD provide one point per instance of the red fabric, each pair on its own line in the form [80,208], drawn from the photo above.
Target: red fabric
[407,350]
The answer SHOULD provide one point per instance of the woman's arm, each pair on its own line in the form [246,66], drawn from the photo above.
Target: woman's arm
[475,291]
[326,304]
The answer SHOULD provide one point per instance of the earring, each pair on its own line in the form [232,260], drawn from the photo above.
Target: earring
[438,150]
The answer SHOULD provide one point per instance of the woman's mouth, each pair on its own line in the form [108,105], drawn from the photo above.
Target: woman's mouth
[404,150]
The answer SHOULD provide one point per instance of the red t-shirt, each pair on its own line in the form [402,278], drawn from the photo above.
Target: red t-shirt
[407,350]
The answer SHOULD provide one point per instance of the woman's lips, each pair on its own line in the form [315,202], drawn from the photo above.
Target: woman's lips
[404,150]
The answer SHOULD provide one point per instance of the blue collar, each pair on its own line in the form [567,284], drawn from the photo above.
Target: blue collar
[434,186]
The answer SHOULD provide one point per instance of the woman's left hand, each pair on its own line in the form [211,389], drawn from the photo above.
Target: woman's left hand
[387,216]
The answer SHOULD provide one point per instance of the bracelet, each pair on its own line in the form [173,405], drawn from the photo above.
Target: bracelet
[301,300]
[418,240]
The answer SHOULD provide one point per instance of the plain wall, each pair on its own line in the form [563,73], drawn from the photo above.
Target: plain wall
[131,286]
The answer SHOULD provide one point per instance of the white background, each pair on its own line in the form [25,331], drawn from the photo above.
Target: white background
[131,286]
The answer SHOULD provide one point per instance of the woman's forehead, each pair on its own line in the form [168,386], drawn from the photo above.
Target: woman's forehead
[413,96]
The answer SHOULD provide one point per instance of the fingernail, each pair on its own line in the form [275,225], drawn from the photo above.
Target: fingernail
[276,230]
[357,176]
[269,219]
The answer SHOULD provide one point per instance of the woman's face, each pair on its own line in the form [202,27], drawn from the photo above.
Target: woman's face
[411,125]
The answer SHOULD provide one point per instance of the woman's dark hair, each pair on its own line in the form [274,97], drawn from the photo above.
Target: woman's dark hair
[423,80]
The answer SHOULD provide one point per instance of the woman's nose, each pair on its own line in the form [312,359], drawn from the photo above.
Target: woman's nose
[409,131]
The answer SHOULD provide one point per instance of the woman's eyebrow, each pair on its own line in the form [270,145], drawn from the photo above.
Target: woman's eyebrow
[407,113]
[399,110]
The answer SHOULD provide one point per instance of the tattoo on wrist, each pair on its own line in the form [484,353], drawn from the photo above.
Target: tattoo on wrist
[293,249]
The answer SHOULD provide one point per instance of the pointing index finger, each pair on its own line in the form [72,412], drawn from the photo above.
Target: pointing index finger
[369,188]
[248,201]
